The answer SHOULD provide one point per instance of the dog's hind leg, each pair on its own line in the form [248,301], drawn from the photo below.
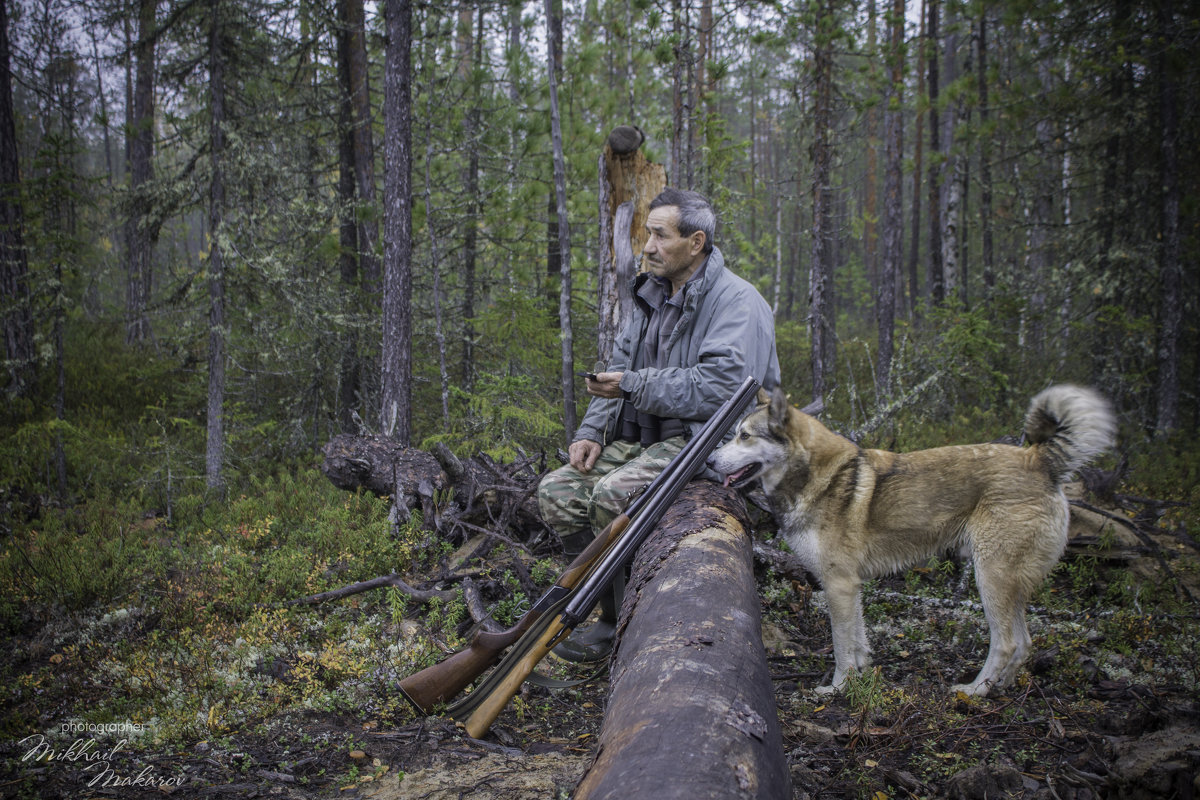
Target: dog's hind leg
[1004,595]
[851,651]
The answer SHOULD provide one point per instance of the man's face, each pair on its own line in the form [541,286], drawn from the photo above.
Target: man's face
[667,253]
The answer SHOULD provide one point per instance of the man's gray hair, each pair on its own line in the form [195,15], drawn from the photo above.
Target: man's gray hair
[695,213]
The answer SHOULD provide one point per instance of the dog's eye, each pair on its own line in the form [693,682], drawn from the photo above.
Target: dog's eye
[744,435]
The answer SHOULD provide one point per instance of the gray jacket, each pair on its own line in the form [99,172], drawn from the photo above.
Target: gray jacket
[725,332]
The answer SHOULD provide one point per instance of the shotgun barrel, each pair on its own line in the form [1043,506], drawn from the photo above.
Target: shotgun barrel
[570,600]
[690,461]
[480,708]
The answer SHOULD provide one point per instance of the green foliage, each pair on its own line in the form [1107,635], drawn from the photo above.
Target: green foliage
[201,602]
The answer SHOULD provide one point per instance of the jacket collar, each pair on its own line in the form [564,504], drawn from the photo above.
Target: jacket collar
[712,270]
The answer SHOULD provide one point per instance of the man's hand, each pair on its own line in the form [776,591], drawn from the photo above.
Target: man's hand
[606,384]
[584,454]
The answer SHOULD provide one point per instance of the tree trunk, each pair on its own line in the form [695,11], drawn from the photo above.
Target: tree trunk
[951,284]
[705,92]
[914,246]
[14,260]
[215,448]
[871,205]
[953,169]
[934,270]
[691,710]
[1170,267]
[140,230]
[354,20]
[678,125]
[985,163]
[396,420]
[350,376]
[469,63]
[564,233]
[821,311]
[435,261]
[893,211]
[554,254]
[1041,218]
[1113,205]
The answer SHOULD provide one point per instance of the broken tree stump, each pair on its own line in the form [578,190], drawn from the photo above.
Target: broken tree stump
[628,182]
[691,711]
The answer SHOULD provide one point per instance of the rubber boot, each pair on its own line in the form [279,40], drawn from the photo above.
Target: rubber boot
[594,642]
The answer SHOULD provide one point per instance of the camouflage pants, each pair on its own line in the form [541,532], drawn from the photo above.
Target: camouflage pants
[578,505]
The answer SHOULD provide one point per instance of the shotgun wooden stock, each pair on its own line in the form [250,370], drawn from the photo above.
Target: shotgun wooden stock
[441,682]
[573,595]
[485,713]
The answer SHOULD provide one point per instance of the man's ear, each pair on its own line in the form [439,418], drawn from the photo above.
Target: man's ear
[697,240]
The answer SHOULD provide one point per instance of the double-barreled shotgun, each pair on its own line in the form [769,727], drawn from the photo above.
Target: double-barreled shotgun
[570,600]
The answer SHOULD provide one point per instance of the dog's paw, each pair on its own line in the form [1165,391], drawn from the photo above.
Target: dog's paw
[825,691]
[970,689]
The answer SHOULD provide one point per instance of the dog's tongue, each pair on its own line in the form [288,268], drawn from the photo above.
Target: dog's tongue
[733,476]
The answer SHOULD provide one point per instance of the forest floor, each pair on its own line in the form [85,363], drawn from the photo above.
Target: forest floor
[1108,706]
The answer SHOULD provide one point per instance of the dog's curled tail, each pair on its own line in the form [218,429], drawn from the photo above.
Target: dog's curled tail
[1070,426]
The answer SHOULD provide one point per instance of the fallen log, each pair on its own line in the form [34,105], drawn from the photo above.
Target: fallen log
[382,466]
[691,711]
[458,498]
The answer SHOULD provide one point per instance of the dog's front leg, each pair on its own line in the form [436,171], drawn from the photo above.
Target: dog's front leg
[851,651]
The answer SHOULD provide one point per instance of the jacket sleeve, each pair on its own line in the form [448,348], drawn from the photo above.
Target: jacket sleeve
[737,340]
[602,412]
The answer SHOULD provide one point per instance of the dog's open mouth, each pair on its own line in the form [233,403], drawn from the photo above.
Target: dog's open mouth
[743,475]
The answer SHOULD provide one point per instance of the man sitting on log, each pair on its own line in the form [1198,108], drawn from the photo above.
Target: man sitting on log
[696,332]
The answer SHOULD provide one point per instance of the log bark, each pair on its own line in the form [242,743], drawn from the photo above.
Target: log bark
[691,710]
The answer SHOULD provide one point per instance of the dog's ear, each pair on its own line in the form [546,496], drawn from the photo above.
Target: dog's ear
[764,397]
[778,412]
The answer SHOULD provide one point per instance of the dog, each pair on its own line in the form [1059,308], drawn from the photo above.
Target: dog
[851,514]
